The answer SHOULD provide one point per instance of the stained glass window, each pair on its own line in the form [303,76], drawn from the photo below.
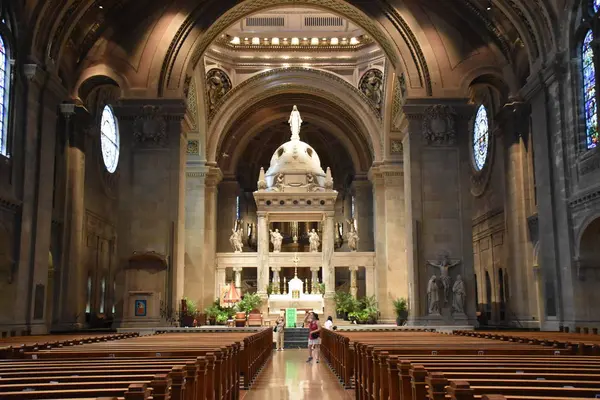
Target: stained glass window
[596,5]
[109,139]
[102,294]
[589,90]
[88,303]
[237,208]
[481,138]
[4,89]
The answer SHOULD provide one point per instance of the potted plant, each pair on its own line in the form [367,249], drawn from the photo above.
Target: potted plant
[401,309]
[344,304]
[250,302]
[188,312]
[212,312]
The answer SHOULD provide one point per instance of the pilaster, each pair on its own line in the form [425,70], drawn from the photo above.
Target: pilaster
[363,192]
[229,189]
[437,199]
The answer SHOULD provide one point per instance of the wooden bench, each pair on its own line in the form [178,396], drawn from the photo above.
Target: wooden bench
[418,365]
[188,366]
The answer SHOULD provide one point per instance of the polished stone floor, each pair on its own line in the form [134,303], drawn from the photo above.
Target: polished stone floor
[288,376]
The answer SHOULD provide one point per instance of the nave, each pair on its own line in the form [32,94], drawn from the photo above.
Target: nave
[287,375]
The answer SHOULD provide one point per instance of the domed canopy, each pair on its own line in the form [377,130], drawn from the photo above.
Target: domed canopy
[295,158]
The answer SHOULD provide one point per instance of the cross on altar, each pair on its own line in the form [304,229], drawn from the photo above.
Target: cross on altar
[295,260]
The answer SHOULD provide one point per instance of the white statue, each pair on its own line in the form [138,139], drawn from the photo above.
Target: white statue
[459,295]
[444,266]
[295,122]
[276,239]
[314,240]
[433,296]
[352,236]
[236,240]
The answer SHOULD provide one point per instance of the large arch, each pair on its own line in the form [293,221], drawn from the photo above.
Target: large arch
[319,84]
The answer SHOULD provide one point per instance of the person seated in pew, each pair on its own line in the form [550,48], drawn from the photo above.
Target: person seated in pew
[329,323]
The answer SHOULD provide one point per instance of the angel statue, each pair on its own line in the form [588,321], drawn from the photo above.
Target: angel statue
[433,296]
[352,236]
[276,239]
[236,240]
[444,266]
[314,241]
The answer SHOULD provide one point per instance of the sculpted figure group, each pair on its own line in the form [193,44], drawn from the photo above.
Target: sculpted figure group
[434,302]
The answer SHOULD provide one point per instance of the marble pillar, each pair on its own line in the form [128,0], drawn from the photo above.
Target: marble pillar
[328,268]
[44,93]
[276,285]
[437,165]
[390,244]
[220,281]
[514,123]
[363,193]
[370,288]
[263,254]
[314,279]
[238,278]
[353,282]
[229,189]
[211,183]
[73,271]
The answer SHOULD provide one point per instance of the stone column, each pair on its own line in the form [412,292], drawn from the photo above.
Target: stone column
[514,124]
[73,271]
[44,93]
[314,278]
[238,278]
[390,243]
[263,254]
[328,268]
[353,283]
[437,165]
[229,189]
[211,182]
[220,281]
[370,288]
[363,192]
[276,289]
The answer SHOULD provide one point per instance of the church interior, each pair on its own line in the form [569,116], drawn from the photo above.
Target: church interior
[178,176]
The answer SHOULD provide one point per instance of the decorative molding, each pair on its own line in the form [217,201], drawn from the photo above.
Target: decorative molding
[279,89]
[585,199]
[99,226]
[396,147]
[371,84]
[150,127]
[192,104]
[398,98]
[193,147]
[438,125]
[9,203]
[218,85]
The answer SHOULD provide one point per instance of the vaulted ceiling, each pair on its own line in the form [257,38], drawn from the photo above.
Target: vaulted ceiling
[73,35]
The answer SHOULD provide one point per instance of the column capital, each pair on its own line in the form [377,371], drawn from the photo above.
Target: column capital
[67,109]
[353,268]
[386,174]
[213,177]
[238,269]
[35,74]
[513,119]
[276,269]
[315,269]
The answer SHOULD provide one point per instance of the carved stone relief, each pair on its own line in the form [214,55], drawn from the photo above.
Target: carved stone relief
[193,147]
[371,85]
[438,125]
[217,86]
[396,147]
[150,127]
[192,104]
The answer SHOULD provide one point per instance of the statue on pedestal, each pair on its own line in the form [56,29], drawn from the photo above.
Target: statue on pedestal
[444,266]
[295,123]
[276,239]
[236,240]
[314,241]
[459,295]
[433,296]
[352,237]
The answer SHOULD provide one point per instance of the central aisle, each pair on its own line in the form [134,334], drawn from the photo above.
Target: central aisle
[288,376]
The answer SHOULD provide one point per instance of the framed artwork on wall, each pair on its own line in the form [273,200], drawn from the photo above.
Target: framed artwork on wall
[140,308]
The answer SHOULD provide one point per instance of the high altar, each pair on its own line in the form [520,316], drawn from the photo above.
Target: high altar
[296,190]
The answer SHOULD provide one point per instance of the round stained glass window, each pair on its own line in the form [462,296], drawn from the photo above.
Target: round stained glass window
[109,139]
[481,138]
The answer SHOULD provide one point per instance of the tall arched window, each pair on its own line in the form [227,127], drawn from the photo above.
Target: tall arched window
[596,5]
[589,88]
[238,214]
[4,96]
[109,139]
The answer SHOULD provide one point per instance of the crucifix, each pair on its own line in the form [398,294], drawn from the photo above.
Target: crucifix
[295,260]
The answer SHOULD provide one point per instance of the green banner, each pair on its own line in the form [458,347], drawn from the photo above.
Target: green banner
[290,317]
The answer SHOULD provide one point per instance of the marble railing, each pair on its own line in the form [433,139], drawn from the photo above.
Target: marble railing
[340,259]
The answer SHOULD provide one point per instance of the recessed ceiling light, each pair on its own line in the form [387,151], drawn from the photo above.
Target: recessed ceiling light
[100,6]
